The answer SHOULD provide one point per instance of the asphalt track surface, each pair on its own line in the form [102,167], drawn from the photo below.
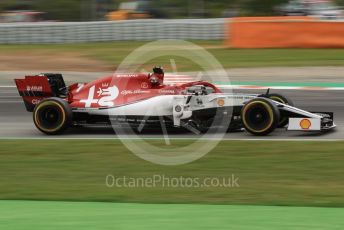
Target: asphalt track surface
[16,123]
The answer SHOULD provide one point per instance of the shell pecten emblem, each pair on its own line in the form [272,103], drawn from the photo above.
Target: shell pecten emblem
[221,102]
[305,124]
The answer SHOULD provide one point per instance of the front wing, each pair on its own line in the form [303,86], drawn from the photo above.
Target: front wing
[299,119]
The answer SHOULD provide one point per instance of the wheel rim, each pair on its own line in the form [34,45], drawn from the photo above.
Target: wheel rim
[258,116]
[49,116]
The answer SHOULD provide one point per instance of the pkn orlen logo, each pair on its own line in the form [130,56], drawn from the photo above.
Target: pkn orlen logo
[169,148]
[305,124]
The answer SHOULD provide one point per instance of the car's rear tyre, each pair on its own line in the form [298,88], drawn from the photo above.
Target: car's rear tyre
[284,120]
[260,116]
[52,116]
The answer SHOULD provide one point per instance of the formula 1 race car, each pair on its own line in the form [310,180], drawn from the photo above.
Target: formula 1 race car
[144,99]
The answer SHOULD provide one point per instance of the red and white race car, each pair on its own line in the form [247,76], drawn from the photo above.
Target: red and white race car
[144,100]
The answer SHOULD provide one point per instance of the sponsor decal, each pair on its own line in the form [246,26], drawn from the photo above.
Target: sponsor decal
[243,97]
[178,108]
[34,88]
[107,97]
[127,75]
[167,91]
[137,91]
[135,120]
[35,101]
[305,123]
[324,115]
[221,102]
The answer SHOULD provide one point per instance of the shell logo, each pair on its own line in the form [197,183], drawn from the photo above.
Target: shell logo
[221,102]
[305,123]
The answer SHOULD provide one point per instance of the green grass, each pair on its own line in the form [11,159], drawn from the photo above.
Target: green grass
[29,215]
[113,54]
[270,173]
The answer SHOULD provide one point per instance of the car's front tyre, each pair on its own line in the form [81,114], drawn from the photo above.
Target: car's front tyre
[260,116]
[284,120]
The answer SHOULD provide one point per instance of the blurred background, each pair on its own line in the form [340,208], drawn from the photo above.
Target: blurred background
[98,10]
[291,46]
[96,35]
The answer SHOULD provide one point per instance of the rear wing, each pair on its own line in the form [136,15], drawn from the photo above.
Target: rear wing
[35,88]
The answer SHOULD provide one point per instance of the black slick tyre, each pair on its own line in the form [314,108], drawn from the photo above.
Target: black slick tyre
[284,120]
[52,116]
[260,116]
